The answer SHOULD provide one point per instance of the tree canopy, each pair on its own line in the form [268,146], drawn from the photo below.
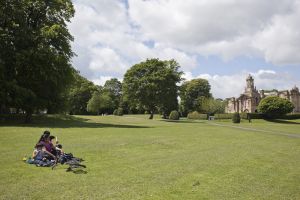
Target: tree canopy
[192,92]
[113,88]
[274,106]
[80,93]
[35,54]
[210,105]
[152,84]
[100,102]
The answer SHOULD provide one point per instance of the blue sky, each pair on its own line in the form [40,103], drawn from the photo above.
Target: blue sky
[220,40]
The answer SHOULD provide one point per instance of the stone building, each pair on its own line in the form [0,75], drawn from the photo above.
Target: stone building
[249,100]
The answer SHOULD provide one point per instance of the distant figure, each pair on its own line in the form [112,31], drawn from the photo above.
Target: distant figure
[249,117]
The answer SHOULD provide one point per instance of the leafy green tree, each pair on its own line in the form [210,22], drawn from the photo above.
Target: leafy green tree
[152,84]
[80,93]
[114,88]
[274,106]
[35,53]
[191,93]
[210,105]
[100,102]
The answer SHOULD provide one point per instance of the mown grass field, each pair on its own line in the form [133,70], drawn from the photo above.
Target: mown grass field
[131,157]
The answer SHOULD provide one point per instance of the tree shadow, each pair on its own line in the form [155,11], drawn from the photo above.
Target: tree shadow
[64,121]
[181,121]
[281,121]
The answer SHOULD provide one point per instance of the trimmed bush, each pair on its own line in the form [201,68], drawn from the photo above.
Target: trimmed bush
[174,115]
[196,115]
[120,112]
[115,112]
[236,118]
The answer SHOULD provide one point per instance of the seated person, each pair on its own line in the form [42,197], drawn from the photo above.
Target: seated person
[46,133]
[46,142]
[59,150]
[39,156]
[53,145]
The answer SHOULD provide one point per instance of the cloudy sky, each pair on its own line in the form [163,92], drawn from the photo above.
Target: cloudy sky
[220,40]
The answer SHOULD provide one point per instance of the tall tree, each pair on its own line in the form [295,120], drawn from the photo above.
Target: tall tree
[191,91]
[100,102]
[35,53]
[152,84]
[114,88]
[210,105]
[80,93]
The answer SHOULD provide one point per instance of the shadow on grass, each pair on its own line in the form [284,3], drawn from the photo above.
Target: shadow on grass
[64,121]
[182,121]
[281,121]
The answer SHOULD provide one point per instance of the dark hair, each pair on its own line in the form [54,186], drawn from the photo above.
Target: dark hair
[51,137]
[39,145]
[46,133]
[59,146]
[44,136]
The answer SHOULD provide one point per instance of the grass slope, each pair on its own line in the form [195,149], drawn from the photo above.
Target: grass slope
[131,157]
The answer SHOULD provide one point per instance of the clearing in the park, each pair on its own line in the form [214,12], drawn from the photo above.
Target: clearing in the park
[131,157]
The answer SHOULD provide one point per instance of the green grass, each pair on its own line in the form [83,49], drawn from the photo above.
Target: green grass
[131,157]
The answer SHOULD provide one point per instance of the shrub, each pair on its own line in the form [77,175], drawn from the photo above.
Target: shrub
[115,112]
[236,118]
[174,115]
[274,107]
[224,116]
[196,115]
[120,112]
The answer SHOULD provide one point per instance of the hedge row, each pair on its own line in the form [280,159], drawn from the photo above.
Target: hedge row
[224,116]
[291,116]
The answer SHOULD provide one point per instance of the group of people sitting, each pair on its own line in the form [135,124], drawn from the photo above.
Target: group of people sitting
[47,151]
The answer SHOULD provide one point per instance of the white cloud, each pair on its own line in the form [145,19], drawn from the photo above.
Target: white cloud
[107,44]
[280,41]
[106,60]
[101,80]
[228,28]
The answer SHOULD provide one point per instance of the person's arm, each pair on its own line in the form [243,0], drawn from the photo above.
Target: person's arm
[47,152]
[34,153]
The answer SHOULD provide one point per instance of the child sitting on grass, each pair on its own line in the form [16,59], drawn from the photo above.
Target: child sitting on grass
[39,156]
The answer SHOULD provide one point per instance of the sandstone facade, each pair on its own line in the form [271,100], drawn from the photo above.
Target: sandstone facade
[249,100]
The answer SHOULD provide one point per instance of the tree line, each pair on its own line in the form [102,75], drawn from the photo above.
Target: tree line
[151,86]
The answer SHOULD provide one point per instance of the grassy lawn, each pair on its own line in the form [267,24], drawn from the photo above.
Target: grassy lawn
[131,157]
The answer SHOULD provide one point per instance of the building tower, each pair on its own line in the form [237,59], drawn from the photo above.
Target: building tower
[295,98]
[250,85]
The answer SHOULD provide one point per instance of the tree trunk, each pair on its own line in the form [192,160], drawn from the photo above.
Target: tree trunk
[151,114]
